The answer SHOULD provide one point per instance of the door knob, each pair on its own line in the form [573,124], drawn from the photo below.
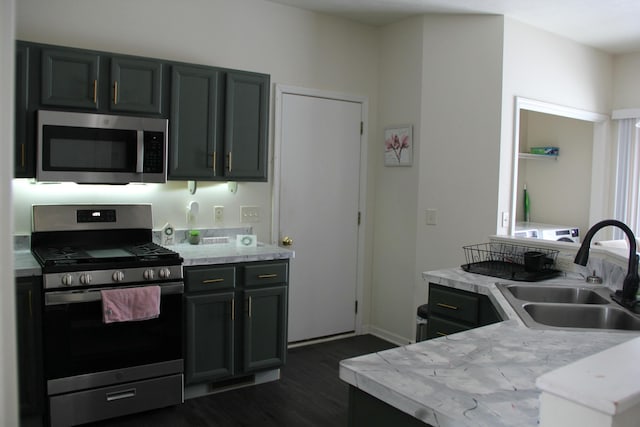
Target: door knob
[287,241]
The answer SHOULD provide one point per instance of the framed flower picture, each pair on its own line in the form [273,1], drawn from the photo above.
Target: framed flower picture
[398,146]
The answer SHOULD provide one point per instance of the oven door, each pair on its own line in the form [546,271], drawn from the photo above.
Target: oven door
[82,352]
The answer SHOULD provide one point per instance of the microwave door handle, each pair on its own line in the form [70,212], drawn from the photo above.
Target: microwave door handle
[140,152]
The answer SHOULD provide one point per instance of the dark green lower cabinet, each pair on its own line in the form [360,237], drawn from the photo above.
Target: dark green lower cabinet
[265,343]
[210,327]
[455,310]
[368,411]
[29,332]
[236,324]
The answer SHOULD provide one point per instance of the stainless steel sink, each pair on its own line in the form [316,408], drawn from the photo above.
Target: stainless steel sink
[582,316]
[556,294]
[557,306]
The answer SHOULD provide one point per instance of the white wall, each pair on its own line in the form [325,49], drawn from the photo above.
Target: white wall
[626,81]
[394,257]
[460,128]
[8,390]
[542,66]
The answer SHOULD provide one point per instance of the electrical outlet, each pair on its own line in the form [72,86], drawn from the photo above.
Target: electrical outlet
[218,214]
[249,214]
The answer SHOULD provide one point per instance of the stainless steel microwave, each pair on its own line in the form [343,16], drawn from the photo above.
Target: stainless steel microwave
[101,148]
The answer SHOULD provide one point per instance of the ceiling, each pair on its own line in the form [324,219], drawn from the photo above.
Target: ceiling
[610,25]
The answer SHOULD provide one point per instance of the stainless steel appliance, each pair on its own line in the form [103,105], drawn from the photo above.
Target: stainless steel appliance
[560,233]
[96,370]
[101,148]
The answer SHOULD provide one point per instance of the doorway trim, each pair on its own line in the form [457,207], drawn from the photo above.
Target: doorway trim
[599,168]
[280,91]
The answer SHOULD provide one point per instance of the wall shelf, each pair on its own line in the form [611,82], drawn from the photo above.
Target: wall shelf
[529,156]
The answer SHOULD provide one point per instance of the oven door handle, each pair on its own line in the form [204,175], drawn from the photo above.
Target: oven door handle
[75,297]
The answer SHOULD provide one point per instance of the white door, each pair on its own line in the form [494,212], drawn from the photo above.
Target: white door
[319,173]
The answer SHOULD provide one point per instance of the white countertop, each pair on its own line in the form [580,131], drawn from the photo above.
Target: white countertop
[482,377]
[227,253]
[607,381]
[26,265]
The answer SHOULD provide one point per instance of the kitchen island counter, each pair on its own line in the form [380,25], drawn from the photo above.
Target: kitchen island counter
[481,377]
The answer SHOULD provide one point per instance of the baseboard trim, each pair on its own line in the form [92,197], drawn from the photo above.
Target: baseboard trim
[320,340]
[386,335]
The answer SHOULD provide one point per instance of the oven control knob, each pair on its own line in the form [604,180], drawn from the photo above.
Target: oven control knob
[118,276]
[164,273]
[67,279]
[85,279]
[148,274]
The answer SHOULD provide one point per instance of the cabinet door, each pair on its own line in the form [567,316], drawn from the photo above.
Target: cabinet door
[209,336]
[196,124]
[246,119]
[265,328]
[24,166]
[136,85]
[28,323]
[70,78]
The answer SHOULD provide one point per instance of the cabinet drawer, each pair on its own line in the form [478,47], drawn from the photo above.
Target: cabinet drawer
[209,278]
[437,327]
[265,274]
[454,304]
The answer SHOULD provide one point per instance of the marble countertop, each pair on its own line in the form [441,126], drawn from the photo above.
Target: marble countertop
[226,253]
[26,265]
[482,377]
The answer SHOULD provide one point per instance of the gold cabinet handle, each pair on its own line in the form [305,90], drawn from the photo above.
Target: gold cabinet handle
[249,304]
[441,334]
[267,276]
[95,91]
[233,309]
[212,281]
[229,161]
[115,92]
[22,148]
[287,241]
[450,307]
[214,162]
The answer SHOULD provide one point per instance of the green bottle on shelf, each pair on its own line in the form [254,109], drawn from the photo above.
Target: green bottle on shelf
[527,205]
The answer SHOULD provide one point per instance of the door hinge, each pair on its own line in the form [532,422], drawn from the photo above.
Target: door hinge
[359,218]
[361,128]
[356,306]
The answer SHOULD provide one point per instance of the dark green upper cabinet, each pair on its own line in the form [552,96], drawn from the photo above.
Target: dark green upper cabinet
[136,85]
[95,81]
[195,124]
[70,78]
[24,164]
[218,124]
[246,125]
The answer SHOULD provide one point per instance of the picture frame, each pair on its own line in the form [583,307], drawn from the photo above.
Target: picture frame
[398,145]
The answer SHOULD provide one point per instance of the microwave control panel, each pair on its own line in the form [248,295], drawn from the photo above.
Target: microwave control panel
[153,152]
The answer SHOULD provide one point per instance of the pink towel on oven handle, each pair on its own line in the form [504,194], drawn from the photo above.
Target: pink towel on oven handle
[130,304]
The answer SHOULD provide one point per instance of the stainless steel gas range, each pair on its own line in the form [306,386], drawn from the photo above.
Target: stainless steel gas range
[96,369]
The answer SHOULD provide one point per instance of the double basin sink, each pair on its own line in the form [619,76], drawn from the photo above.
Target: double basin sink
[552,306]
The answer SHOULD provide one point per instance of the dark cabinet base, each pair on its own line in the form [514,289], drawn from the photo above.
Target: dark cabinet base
[366,410]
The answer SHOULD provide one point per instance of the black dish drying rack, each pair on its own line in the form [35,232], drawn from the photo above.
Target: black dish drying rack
[506,261]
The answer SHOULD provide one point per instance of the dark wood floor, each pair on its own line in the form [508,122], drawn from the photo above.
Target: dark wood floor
[309,393]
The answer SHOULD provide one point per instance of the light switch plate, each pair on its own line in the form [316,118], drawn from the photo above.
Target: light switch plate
[218,214]
[431,216]
[249,214]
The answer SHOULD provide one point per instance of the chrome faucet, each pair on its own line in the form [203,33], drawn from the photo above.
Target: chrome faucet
[630,284]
